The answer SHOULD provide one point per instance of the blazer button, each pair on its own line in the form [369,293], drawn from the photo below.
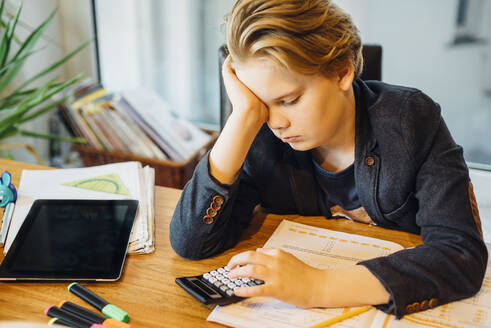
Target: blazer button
[369,160]
[416,307]
[425,305]
[409,309]
[433,303]
[207,219]
[211,212]
[215,206]
[218,199]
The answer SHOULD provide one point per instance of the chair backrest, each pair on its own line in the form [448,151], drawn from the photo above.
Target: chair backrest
[372,70]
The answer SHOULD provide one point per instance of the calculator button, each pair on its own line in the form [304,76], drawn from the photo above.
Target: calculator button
[218,283]
[226,269]
[230,292]
[213,273]
[221,270]
[231,285]
[246,280]
[206,275]
[219,277]
[212,279]
[251,283]
[223,287]
[258,281]
[225,280]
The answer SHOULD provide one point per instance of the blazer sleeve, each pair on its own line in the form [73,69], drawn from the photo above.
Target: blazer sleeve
[451,263]
[210,216]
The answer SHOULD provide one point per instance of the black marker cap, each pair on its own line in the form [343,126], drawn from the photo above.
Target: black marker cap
[67,317]
[95,300]
[82,312]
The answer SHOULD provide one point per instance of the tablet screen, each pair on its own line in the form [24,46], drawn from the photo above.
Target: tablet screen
[72,240]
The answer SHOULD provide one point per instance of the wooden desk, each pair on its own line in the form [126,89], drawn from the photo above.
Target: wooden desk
[147,290]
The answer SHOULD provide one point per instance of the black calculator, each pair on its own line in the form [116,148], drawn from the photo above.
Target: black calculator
[215,287]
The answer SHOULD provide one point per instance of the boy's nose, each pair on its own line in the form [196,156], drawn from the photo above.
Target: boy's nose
[277,120]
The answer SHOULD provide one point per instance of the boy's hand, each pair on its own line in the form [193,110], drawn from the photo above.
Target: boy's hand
[285,277]
[244,102]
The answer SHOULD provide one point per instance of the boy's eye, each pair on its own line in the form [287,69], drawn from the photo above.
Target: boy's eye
[290,102]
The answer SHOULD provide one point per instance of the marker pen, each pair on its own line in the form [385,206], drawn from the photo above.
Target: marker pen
[57,321]
[70,319]
[92,316]
[98,302]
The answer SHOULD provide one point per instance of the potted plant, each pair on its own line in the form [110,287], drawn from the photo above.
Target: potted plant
[25,103]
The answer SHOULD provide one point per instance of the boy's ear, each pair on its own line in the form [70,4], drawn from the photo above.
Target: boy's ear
[346,77]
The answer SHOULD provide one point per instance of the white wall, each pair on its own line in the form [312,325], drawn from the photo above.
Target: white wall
[416,37]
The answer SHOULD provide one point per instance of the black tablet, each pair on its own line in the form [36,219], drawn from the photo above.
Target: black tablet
[71,240]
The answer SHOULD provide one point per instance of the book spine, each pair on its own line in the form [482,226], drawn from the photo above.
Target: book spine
[86,131]
[159,141]
[127,135]
[140,135]
[92,125]
[113,130]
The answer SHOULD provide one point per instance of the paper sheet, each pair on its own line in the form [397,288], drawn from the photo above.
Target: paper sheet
[472,312]
[321,248]
[49,184]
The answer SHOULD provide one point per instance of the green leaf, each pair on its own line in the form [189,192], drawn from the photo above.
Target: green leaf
[43,110]
[35,99]
[11,63]
[26,46]
[9,32]
[55,90]
[2,5]
[51,136]
[15,98]
[9,132]
[5,44]
[28,103]
[54,66]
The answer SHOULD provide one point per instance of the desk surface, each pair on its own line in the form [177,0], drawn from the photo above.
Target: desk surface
[147,290]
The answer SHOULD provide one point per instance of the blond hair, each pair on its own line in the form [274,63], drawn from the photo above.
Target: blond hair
[305,36]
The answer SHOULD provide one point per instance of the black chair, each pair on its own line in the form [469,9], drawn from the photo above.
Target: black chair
[372,70]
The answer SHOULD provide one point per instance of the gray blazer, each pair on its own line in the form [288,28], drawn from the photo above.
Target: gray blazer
[409,173]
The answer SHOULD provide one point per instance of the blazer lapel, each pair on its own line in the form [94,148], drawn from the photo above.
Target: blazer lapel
[302,181]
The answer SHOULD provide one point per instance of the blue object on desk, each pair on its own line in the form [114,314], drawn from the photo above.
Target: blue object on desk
[8,196]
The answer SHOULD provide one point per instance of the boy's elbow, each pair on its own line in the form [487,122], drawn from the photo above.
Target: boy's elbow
[182,245]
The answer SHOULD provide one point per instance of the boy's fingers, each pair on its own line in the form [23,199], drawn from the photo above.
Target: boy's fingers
[249,271]
[260,290]
[249,257]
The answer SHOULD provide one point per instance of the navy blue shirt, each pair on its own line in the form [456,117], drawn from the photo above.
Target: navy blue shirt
[336,188]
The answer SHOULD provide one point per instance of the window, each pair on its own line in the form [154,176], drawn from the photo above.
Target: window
[171,46]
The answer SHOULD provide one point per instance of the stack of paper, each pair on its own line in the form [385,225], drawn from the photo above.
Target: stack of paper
[127,180]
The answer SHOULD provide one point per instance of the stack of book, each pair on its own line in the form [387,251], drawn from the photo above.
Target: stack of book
[136,122]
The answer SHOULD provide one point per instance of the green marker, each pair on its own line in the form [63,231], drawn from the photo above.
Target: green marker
[112,311]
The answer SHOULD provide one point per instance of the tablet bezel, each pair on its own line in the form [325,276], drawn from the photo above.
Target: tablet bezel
[119,259]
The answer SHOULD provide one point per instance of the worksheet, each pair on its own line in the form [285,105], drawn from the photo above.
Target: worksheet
[321,248]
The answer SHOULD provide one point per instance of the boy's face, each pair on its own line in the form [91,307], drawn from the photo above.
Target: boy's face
[306,111]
